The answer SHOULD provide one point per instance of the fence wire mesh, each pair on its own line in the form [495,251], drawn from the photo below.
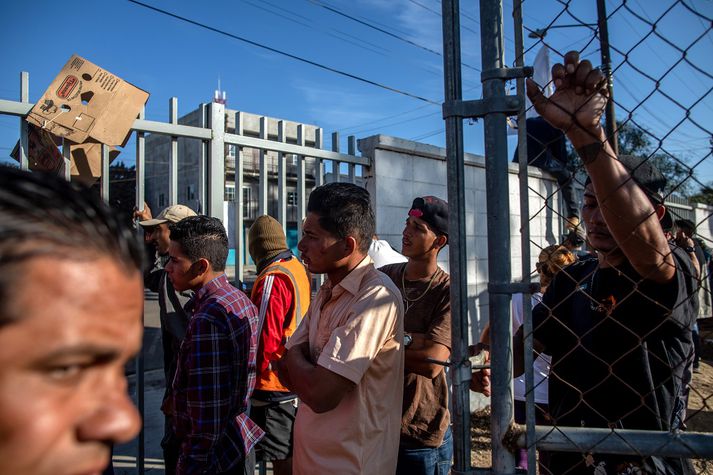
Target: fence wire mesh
[624,335]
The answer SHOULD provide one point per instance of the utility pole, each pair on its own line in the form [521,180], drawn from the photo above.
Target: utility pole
[609,117]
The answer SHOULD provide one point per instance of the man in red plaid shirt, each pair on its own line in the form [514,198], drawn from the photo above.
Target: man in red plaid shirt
[215,375]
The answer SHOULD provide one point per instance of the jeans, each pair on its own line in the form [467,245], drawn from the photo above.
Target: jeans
[427,460]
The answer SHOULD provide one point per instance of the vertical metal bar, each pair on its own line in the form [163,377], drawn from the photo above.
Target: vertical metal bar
[173,158]
[281,180]
[239,204]
[525,241]
[457,254]
[66,171]
[319,163]
[24,126]
[105,178]
[202,159]
[351,150]
[301,182]
[140,181]
[318,137]
[216,162]
[262,179]
[609,116]
[499,272]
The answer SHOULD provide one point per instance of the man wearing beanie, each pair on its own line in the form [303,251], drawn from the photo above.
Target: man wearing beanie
[282,295]
[174,320]
[426,445]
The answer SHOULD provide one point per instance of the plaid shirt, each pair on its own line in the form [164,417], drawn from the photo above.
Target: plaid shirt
[214,380]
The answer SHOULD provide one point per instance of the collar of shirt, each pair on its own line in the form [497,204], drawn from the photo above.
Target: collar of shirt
[207,290]
[352,282]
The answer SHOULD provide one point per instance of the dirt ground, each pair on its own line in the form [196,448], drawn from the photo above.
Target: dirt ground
[699,418]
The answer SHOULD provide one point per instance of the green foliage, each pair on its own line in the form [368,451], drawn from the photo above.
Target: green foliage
[704,196]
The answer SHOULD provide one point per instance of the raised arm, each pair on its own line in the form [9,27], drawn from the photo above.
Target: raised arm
[576,108]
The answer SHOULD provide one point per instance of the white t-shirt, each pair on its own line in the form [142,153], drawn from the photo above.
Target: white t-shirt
[382,254]
[542,362]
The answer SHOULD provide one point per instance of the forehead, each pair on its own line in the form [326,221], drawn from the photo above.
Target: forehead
[63,302]
[418,222]
[175,250]
[312,225]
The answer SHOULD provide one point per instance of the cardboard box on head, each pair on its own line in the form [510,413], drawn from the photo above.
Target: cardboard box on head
[85,101]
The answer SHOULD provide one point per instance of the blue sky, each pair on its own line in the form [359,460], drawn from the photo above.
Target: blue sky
[168,58]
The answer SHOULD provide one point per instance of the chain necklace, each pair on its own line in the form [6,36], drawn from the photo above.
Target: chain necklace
[409,301]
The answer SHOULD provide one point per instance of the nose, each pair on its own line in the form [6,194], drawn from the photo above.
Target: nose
[300,246]
[115,419]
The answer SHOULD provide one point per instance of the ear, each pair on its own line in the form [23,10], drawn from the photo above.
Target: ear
[201,267]
[350,245]
[441,241]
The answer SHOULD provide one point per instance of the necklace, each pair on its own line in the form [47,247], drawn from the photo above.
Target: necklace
[409,301]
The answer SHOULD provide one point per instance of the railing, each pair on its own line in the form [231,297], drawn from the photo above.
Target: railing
[212,170]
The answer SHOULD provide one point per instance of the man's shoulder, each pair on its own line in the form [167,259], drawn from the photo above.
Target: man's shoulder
[376,281]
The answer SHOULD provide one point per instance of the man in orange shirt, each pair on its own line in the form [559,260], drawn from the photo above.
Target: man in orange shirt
[281,294]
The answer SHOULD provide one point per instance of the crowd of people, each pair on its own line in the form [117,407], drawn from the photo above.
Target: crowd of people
[351,378]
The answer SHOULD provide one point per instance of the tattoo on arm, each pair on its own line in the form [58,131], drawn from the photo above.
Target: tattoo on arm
[589,153]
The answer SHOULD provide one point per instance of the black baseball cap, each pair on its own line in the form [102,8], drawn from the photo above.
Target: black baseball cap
[434,211]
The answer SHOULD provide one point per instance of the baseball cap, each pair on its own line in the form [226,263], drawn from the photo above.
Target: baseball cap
[172,214]
[434,211]
[645,174]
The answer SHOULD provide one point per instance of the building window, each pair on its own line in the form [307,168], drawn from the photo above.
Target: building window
[249,208]
[291,198]
[191,193]
[229,193]
[232,151]
[161,200]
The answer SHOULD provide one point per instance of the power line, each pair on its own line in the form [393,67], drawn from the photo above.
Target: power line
[386,32]
[284,53]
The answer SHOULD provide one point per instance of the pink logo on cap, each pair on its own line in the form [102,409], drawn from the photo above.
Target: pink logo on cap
[416,213]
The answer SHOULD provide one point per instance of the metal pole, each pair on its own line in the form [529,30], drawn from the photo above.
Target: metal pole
[499,275]
[105,178]
[457,253]
[173,158]
[609,116]
[281,179]
[24,126]
[525,241]
[139,360]
[239,203]
[262,179]
[216,162]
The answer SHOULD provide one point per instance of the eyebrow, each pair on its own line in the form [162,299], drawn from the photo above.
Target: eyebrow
[96,352]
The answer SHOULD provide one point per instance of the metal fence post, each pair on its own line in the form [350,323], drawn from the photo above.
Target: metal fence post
[216,162]
[457,252]
[499,273]
[262,178]
[239,202]
[525,241]
[281,179]
[24,126]
[173,157]
[609,116]
[140,180]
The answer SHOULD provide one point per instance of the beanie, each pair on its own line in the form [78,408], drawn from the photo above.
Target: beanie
[266,239]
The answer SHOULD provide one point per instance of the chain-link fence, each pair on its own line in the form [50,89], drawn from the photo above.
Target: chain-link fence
[620,379]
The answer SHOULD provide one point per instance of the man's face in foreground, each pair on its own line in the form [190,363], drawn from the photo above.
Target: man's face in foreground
[63,393]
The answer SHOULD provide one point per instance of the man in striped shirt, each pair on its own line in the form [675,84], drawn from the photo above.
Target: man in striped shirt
[215,374]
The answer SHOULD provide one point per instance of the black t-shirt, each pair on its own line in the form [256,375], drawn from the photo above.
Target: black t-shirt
[620,347]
